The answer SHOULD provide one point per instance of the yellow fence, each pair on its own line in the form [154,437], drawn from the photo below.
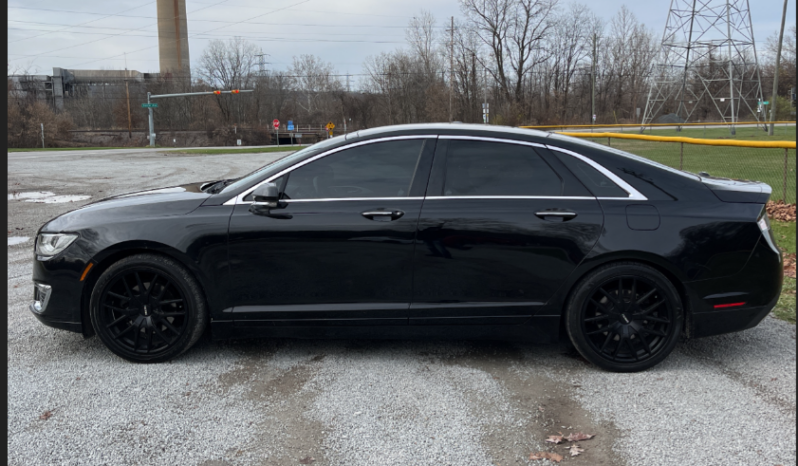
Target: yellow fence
[772,162]
[648,125]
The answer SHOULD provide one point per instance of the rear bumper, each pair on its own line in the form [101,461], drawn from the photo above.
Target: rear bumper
[706,324]
[758,285]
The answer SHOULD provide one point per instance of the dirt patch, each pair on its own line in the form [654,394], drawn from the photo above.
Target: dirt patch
[542,406]
[284,435]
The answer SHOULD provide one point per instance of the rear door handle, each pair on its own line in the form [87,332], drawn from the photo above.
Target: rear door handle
[382,215]
[561,214]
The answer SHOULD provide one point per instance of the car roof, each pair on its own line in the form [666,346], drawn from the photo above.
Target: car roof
[506,132]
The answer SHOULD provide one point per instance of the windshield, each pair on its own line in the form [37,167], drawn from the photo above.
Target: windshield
[287,161]
[624,154]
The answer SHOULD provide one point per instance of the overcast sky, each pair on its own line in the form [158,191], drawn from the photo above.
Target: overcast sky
[93,34]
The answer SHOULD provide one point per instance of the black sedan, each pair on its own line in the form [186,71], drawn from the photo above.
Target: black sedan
[420,231]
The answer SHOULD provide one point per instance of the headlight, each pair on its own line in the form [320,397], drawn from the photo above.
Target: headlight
[50,244]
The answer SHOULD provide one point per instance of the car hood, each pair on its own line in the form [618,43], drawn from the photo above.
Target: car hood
[163,202]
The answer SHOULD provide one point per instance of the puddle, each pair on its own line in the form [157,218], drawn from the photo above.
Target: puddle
[30,195]
[14,240]
[60,199]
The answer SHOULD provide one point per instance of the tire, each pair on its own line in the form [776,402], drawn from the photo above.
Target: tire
[148,308]
[616,332]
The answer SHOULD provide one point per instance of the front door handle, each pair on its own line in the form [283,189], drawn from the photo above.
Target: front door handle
[382,215]
[561,215]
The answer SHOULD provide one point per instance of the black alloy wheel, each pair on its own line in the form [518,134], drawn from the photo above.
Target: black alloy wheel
[625,317]
[147,308]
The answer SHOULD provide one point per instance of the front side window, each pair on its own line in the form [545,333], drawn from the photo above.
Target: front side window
[479,168]
[383,169]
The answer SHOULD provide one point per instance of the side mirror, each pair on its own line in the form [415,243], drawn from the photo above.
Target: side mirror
[266,195]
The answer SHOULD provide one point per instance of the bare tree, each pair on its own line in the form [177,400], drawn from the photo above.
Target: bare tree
[513,31]
[228,65]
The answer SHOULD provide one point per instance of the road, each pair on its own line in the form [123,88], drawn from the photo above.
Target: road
[726,400]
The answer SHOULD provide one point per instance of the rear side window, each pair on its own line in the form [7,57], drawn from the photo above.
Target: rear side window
[479,168]
[383,169]
[596,182]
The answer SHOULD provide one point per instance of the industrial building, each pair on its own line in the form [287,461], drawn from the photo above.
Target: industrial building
[64,83]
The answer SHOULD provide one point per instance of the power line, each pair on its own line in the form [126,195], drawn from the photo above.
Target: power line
[82,24]
[108,27]
[348,26]
[263,38]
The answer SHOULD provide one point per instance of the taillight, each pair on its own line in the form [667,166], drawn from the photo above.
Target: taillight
[764,223]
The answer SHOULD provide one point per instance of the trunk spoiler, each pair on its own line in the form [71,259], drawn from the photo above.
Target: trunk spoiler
[728,190]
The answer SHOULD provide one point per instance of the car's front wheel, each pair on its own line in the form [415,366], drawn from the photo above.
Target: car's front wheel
[148,308]
[624,317]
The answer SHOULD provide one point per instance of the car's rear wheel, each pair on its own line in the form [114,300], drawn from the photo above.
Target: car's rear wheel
[624,317]
[148,308]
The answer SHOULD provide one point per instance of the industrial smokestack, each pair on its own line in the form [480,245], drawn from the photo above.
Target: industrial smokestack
[173,37]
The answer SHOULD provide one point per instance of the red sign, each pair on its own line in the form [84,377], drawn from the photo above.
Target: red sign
[276,123]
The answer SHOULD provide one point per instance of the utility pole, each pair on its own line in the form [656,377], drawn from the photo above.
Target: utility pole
[593,83]
[127,92]
[42,135]
[390,110]
[774,100]
[451,73]
[152,123]
[485,78]
[473,99]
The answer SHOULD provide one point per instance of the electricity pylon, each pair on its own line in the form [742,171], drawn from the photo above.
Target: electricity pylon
[707,67]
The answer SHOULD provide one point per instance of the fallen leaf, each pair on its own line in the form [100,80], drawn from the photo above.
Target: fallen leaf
[789,265]
[578,436]
[544,455]
[307,460]
[780,211]
[555,438]
[575,450]
[46,415]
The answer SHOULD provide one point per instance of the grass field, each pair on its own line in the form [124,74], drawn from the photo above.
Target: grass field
[784,232]
[781,133]
[766,165]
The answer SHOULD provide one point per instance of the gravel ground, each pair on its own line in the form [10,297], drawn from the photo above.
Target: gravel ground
[727,400]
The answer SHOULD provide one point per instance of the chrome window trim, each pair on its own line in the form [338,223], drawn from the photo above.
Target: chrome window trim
[571,198]
[634,195]
[330,199]
[239,200]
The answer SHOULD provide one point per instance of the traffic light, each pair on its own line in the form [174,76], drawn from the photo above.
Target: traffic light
[217,92]
[234,91]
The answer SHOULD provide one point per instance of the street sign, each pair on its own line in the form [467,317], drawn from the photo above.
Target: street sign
[238,142]
[146,105]
[290,125]
[330,126]
[766,102]
[276,123]
[298,135]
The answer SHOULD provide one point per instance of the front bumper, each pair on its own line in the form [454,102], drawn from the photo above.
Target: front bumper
[71,326]
[62,308]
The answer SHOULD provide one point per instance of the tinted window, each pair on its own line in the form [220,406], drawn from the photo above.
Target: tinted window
[596,182]
[477,168]
[383,169]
